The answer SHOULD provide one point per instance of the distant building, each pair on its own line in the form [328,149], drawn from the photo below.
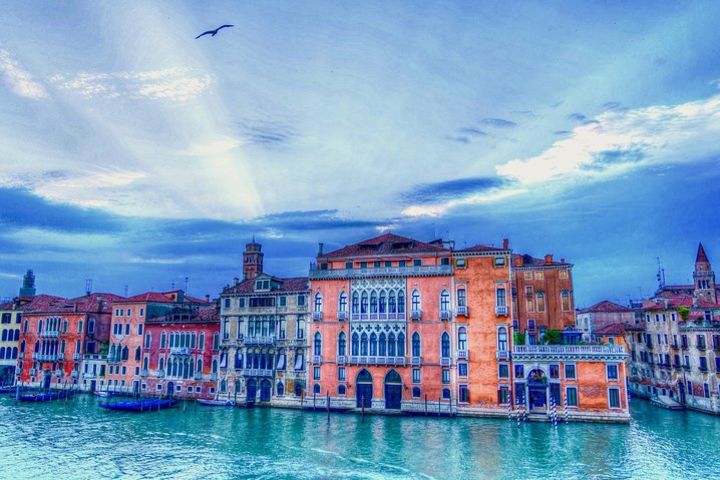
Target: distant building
[28,287]
[264,336]
[676,357]
[10,322]
[600,315]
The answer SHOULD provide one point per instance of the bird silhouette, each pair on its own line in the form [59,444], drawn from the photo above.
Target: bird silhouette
[213,32]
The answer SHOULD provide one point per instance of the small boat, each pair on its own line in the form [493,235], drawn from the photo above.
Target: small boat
[143,405]
[46,396]
[215,403]
[7,389]
[102,394]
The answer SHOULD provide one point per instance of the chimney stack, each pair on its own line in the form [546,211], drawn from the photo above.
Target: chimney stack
[236,280]
[320,249]
[518,261]
[207,297]
[548,259]
[506,244]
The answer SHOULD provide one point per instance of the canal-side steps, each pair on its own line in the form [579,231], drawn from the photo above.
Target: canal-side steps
[663,401]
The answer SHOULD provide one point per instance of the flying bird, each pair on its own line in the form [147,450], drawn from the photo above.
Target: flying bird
[213,32]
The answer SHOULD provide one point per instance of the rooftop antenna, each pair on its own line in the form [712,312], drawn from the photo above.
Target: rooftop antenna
[187,280]
[172,286]
[660,273]
[88,286]
[125,291]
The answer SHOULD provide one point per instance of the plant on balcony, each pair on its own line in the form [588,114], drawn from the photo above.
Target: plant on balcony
[552,337]
[519,338]
[684,312]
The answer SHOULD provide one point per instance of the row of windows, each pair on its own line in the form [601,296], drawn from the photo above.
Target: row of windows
[268,301]
[11,335]
[122,312]
[119,327]
[7,317]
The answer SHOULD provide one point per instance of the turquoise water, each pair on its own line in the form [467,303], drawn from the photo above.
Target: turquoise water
[78,440]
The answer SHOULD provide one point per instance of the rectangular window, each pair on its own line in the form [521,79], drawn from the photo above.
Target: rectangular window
[461,298]
[140,329]
[283,301]
[614,397]
[227,303]
[446,375]
[571,395]
[503,370]
[519,371]
[530,298]
[301,300]
[147,341]
[417,262]
[500,297]
[570,371]
[706,390]
[463,394]
[462,369]
[348,265]
[127,329]
[527,275]
[388,263]
[563,274]
[363,264]
[377,264]
[539,276]
[612,372]
[500,261]
[402,263]
[503,395]
[341,374]
[554,371]
[416,375]
[316,373]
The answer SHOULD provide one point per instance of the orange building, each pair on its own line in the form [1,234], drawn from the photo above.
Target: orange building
[127,336]
[57,333]
[542,296]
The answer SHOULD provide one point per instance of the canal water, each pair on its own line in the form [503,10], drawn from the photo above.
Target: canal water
[76,439]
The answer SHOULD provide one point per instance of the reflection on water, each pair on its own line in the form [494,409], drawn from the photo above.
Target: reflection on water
[76,439]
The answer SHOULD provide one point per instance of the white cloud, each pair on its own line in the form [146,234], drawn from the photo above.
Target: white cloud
[174,84]
[19,80]
[213,147]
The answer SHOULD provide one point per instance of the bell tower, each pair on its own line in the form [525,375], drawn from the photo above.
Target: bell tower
[252,260]
[28,287]
[704,277]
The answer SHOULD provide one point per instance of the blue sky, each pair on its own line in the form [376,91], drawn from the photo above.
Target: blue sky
[132,154]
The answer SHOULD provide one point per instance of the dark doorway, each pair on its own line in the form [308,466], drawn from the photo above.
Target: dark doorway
[171,389]
[393,390]
[363,390]
[265,389]
[251,390]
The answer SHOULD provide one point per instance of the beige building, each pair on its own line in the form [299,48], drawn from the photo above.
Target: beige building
[10,320]
[263,333]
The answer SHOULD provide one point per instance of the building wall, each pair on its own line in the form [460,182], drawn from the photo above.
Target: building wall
[126,331]
[546,279]
[10,323]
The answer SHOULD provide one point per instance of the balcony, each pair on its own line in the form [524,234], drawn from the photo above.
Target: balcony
[317,316]
[160,374]
[674,346]
[259,340]
[501,310]
[416,315]
[366,360]
[462,354]
[411,271]
[445,315]
[462,311]
[416,361]
[255,372]
[213,376]
[317,359]
[355,317]
[567,352]
[445,362]
[341,359]
[77,356]
[503,355]
[50,334]
[180,351]
[144,372]
[33,371]
[342,316]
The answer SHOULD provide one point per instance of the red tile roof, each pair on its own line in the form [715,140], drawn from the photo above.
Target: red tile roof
[481,248]
[605,307]
[530,261]
[610,330]
[677,301]
[161,297]
[386,244]
[296,284]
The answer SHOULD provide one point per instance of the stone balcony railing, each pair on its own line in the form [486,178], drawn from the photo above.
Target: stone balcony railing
[257,372]
[375,360]
[259,340]
[359,317]
[411,271]
[592,352]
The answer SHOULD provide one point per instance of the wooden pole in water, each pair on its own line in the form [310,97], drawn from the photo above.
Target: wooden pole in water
[438,406]
[426,412]
[362,407]
[328,406]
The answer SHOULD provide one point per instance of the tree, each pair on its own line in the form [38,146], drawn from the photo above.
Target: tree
[552,337]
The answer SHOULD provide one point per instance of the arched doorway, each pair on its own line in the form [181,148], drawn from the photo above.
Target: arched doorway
[171,389]
[363,389]
[681,388]
[46,380]
[537,390]
[393,390]
[251,390]
[265,389]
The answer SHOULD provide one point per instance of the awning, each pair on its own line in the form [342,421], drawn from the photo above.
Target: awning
[299,361]
[280,362]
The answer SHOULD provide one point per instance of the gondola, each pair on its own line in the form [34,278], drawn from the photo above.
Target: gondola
[142,405]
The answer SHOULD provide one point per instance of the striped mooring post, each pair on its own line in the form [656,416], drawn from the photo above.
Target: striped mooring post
[510,410]
[553,411]
[566,414]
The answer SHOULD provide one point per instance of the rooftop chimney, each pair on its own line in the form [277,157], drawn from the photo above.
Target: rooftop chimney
[207,297]
[236,280]
[320,249]
[506,244]
[548,259]
[518,261]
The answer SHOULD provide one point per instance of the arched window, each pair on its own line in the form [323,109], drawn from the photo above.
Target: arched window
[318,302]
[341,344]
[415,301]
[540,301]
[401,301]
[2,352]
[145,363]
[316,389]
[446,394]
[445,345]
[125,352]
[373,344]
[364,344]
[214,366]
[565,298]
[317,344]
[342,302]
[15,353]
[373,302]
[391,345]
[22,347]
[382,306]
[354,347]
[416,344]
[161,364]
[137,354]
[382,345]
[401,345]
[341,390]
[502,339]
[444,301]
[17,335]
[280,389]
[392,306]
[462,338]
[416,392]
[355,303]
[364,302]
[4,335]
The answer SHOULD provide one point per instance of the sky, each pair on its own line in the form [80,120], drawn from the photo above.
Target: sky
[135,155]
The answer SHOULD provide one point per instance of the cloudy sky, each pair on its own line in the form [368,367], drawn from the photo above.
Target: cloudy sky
[133,154]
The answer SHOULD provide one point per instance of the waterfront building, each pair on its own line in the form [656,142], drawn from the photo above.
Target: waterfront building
[404,325]
[93,370]
[181,351]
[128,338]
[263,336]
[675,359]
[601,315]
[10,321]
[56,333]
[542,296]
